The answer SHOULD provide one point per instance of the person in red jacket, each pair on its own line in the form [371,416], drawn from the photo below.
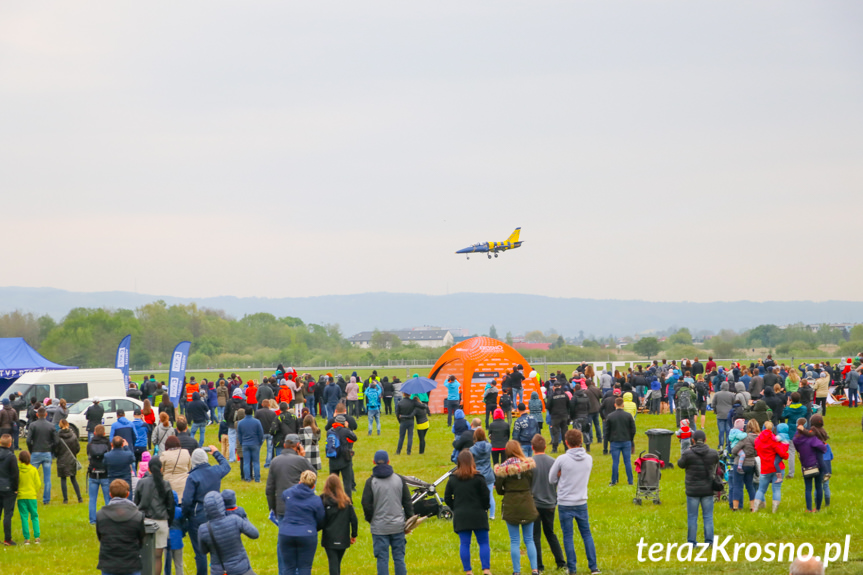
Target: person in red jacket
[251,397]
[768,447]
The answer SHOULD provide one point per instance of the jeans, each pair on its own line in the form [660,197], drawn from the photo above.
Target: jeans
[852,397]
[297,554]
[451,406]
[232,445]
[741,480]
[331,410]
[200,557]
[558,430]
[519,393]
[817,481]
[764,482]
[7,509]
[597,425]
[93,486]
[406,427]
[252,461]
[722,424]
[43,459]
[381,545]
[310,404]
[491,509]
[618,448]
[201,428]
[374,416]
[545,522]
[484,548]
[692,504]
[489,411]
[515,544]
[527,449]
[269,439]
[75,486]
[579,514]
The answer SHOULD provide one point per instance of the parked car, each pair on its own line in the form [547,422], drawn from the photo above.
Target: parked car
[72,385]
[78,423]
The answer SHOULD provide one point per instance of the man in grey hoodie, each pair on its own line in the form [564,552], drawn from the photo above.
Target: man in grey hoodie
[387,506]
[571,472]
[723,401]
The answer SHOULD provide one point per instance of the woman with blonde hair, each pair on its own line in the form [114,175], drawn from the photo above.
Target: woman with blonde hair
[513,479]
[162,432]
[340,523]
[299,526]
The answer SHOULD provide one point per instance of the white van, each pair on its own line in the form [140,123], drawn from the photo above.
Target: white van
[70,384]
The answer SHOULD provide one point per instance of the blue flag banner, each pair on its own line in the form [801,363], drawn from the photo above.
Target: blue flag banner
[122,362]
[178,371]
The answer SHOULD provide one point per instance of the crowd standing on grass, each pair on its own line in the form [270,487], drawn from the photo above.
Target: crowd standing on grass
[155,466]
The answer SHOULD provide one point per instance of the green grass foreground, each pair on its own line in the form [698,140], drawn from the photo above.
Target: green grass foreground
[69,543]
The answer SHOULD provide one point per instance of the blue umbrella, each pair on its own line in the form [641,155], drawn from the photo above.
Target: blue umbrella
[418,385]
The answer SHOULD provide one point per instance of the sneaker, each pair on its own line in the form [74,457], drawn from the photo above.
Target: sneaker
[9,543]
[26,542]
[36,541]
[612,484]
[595,572]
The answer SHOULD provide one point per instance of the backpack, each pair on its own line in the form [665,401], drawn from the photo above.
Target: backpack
[684,398]
[702,389]
[333,443]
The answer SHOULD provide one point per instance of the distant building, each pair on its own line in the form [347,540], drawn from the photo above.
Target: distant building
[421,337]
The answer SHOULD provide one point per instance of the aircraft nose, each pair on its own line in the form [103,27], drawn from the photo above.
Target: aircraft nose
[465,251]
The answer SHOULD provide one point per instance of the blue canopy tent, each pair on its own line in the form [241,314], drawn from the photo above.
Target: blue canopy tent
[18,358]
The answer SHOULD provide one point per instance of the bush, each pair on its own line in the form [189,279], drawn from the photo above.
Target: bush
[851,348]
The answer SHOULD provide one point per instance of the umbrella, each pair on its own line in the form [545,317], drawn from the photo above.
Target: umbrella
[418,385]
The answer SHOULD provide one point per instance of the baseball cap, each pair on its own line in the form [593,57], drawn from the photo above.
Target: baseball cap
[381,456]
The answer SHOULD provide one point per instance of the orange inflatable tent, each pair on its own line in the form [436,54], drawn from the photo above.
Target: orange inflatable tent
[474,362]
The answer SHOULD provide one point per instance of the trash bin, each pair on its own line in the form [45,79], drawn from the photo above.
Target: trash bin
[148,551]
[659,444]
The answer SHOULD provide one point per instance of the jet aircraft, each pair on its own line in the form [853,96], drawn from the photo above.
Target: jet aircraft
[495,248]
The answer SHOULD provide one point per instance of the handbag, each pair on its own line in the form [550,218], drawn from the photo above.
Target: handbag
[811,471]
[78,465]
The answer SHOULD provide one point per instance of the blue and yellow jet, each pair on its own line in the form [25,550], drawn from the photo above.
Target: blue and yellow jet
[490,248]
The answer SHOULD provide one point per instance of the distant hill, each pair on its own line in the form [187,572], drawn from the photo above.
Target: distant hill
[476,312]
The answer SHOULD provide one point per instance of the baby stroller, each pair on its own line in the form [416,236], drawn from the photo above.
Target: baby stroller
[649,470]
[425,497]
[723,468]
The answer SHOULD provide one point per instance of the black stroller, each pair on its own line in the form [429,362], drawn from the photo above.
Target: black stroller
[648,467]
[425,497]
[722,471]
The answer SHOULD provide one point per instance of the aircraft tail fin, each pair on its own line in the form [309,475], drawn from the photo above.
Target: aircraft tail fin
[513,237]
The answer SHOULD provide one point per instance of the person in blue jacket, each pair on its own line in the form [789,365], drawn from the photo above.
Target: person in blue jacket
[373,405]
[332,395]
[250,434]
[213,403]
[299,526]
[203,478]
[140,435]
[124,428]
[175,540]
[452,397]
[221,537]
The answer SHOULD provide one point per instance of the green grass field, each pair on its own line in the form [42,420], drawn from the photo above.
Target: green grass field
[69,543]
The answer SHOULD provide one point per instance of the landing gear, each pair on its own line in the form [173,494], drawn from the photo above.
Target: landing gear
[495,255]
[489,256]
[468,257]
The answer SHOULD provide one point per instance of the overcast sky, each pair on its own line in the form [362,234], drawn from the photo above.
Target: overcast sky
[668,150]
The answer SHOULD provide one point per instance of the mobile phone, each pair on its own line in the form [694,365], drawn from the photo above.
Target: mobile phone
[206,449]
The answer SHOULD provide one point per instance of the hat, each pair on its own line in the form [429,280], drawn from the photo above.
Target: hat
[293,438]
[699,436]
[684,423]
[96,400]
[230,498]
[341,419]
[5,401]
[381,456]
[238,393]
[199,456]
[459,414]
[739,423]
[521,407]
[498,413]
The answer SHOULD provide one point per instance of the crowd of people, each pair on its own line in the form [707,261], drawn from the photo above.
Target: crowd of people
[154,467]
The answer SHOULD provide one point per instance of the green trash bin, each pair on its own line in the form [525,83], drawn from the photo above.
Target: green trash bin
[148,550]
[659,444]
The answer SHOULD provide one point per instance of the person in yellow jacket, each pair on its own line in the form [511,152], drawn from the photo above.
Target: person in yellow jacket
[29,488]
[629,405]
